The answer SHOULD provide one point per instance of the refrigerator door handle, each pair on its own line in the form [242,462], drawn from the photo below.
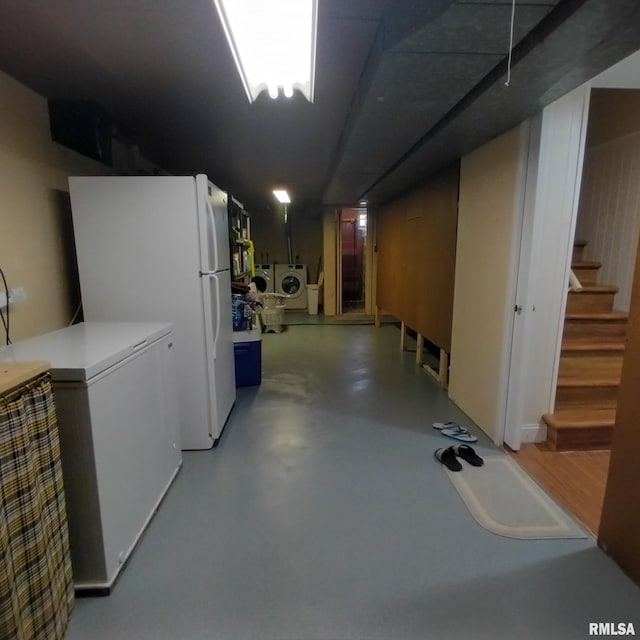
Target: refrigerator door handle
[216,337]
[216,288]
[213,225]
[211,298]
[205,226]
[212,259]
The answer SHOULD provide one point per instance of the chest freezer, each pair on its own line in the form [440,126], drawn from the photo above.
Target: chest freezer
[115,392]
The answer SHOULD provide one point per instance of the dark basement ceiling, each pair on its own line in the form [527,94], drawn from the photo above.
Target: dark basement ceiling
[402,87]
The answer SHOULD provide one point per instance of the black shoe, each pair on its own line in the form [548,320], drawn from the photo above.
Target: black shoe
[467,453]
[448,458]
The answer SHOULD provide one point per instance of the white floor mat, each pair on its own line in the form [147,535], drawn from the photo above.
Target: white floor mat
[506,501]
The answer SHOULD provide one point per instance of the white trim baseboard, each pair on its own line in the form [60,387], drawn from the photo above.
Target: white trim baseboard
[534,433]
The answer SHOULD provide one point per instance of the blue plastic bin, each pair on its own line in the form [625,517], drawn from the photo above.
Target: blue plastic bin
[247,351]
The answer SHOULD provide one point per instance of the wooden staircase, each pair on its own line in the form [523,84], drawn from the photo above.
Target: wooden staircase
[590,364]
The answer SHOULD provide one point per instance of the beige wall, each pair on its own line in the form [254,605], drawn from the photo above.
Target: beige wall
[330,261]
[484,278]
[392,258]
[269,237]
[36,246]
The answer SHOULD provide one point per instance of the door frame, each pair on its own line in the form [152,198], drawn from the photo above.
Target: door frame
[524,210]
[368,250]
[339,263]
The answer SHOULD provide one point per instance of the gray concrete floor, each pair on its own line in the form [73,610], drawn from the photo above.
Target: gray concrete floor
[322,515]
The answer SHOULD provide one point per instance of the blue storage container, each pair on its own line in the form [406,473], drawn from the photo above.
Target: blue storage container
[247,349]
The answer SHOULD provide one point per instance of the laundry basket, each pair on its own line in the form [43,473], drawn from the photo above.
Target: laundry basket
[272,312]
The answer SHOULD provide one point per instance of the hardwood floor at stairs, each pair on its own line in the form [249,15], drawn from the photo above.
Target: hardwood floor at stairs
[575,479]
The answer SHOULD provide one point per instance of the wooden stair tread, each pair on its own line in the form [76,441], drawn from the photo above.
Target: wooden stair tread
[596,366]
[596,288]
[579,243]
[577,418]
[585,264]
[609,316]
[610,380]
[592,343]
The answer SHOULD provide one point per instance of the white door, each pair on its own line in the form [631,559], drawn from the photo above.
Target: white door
[489,222]
[216,289]
[545,261]
[212,226]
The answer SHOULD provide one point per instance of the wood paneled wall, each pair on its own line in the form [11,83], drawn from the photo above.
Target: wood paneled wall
[489,212]
[416,240]
[613,113]
[620,523]
[609,214]
[330,261]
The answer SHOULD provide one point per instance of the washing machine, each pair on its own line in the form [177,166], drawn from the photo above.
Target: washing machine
[264,278]
[291,280]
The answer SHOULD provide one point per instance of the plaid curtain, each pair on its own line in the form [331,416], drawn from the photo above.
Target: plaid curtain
[36,585]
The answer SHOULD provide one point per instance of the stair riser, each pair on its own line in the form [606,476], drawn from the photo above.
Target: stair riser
[586,276]
[585,329]
[580,438]
[617,353]
[578,254]
[586,397]
[585,302]
[578,364]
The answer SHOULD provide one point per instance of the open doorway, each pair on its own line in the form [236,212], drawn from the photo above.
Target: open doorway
[352,242]
[573,464]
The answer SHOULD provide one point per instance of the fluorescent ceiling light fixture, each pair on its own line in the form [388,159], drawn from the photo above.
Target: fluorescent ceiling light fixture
[273,44]
[282,196]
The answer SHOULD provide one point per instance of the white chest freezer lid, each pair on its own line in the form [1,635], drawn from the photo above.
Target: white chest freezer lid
[80,352]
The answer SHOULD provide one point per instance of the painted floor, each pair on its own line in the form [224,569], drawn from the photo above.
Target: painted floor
[323,515]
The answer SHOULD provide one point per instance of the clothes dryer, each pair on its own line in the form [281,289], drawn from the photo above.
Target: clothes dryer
[264,278]
[291,280]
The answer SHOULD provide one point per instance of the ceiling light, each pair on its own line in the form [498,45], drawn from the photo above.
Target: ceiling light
[273,44]
[282,196]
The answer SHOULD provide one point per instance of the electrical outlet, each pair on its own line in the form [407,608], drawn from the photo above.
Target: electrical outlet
[16,294]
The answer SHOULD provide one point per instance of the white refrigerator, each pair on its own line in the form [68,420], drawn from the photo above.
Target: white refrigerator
[157,249]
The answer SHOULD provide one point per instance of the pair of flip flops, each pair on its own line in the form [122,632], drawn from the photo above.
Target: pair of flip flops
[454,430]
[449,456]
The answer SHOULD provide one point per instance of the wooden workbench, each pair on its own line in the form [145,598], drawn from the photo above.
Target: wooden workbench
[14,374]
